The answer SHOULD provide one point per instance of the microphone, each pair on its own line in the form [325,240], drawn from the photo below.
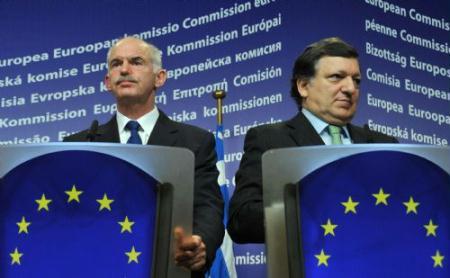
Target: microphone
[90,136]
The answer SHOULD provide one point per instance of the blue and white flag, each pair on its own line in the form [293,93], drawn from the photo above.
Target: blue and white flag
[376,214]
[223,266]
[77,214]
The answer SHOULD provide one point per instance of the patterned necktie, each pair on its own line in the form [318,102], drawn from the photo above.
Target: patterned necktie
[133,127]
[335,132]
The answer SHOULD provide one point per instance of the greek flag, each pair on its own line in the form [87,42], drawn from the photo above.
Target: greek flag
[223,266]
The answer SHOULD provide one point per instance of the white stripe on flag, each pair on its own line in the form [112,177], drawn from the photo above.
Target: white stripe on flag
[228,254]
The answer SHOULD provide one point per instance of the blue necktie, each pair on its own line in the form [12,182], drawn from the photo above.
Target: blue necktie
[133,127]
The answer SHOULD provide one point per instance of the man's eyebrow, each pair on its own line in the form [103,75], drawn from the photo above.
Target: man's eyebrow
[136,58]
[115,60]
[340,72]
[346,73]
[133,58]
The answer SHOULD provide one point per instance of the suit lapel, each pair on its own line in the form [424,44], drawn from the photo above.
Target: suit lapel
[302,132]
[357,134]
[164,132]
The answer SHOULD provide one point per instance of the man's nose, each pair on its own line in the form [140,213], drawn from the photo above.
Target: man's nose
[125,68]
[350,85]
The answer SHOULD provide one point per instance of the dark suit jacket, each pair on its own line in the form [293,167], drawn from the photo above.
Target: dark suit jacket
[208,203]
[246,218]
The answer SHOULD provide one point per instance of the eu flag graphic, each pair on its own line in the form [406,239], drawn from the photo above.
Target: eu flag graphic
[376,214]
[77,214]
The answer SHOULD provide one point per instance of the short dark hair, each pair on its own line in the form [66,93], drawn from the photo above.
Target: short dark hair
[305,65]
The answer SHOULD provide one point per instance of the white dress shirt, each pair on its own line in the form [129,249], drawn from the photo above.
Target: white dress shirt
[147,123]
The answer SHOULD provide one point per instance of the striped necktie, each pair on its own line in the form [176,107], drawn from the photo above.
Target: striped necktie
[335,132]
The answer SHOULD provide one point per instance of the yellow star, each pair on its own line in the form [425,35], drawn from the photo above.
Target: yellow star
[381,197]
[15,257]
[105,203]
[43,203]
[23,225]
[431,228]
[438,259]
[411,206]
[126,225]
[133,255]
[74,194]
[329,228]
[322,258]
[350,205]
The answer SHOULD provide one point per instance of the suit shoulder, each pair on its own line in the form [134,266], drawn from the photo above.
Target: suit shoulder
[375,136]
[191,131]
[77,137]
[269,128]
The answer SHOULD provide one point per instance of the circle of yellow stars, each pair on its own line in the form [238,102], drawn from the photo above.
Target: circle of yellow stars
[381,198]
[74,196]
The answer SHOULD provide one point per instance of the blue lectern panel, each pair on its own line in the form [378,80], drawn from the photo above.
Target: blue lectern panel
[376,214]
[77,214]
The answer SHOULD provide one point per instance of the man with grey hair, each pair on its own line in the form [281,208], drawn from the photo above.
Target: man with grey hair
[134,74]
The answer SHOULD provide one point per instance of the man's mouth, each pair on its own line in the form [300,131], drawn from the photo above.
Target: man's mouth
[126,82]
[344,102]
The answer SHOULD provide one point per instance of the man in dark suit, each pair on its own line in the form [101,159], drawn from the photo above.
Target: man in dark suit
[325,86]
[134,74]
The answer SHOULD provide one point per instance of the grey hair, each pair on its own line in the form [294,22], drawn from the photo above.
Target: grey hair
[154,53]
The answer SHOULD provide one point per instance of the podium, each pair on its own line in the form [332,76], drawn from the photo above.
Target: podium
[101,210]
[376,210]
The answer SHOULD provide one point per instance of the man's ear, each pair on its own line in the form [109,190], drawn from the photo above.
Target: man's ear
[107,81]
[160,78]
[302,87]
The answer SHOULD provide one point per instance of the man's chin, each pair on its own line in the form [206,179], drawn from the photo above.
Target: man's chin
[126,93]
[343,117]
[346,105]
[131,98]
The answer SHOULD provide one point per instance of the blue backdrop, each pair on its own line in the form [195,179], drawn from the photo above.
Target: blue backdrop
[52,63]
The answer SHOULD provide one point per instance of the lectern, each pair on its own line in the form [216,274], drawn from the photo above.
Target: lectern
[93,209]
[357,211]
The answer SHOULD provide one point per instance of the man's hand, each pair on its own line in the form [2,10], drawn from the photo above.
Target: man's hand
[190,251]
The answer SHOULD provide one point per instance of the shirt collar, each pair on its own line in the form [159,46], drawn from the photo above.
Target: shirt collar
[147,121]
[320,125]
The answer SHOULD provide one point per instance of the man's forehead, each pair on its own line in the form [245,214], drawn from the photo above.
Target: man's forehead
[337,63]
[126,57]
[127,50]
